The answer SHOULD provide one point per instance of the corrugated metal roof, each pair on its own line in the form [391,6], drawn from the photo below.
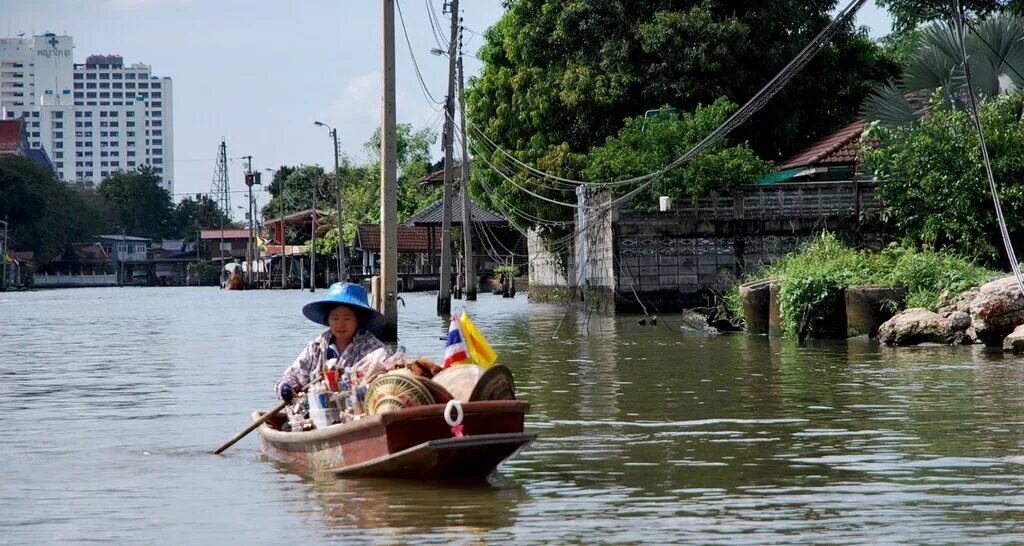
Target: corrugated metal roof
[228,234]
[410,238]
[431,215]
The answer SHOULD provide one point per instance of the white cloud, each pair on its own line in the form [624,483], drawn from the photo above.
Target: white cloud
[359,102]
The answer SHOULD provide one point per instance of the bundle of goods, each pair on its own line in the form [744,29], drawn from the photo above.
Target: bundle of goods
[383,382]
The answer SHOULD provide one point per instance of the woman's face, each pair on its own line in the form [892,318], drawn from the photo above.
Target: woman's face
[343,323]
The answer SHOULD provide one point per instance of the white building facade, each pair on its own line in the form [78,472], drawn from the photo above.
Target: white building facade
[94,118]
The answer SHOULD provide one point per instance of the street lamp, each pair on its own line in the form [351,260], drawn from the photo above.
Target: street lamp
[337,184]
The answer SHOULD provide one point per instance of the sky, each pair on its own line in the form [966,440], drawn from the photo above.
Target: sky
[258,73]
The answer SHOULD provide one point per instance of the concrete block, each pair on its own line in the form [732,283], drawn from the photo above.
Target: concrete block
[644,271]
[707,270]
[668,260]
[649,282]
[688,279]
[705,259]
[687,260]
[647,261]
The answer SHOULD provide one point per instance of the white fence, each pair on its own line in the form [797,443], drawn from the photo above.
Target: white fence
[66,281]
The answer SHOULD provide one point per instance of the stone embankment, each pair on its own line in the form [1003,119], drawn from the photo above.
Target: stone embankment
[992,314]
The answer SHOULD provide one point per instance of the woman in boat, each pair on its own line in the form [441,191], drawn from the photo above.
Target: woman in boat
[352,325]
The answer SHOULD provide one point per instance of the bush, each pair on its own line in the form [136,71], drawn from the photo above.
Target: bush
[817,274]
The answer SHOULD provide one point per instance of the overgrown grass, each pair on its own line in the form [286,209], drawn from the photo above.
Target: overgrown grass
[817,274]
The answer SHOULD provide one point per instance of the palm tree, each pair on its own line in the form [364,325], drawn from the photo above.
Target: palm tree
[995,48]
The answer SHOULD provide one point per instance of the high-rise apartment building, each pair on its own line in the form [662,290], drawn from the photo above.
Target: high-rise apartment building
[93,118]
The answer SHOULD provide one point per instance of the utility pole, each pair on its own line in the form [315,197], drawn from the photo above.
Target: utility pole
[250,247]
[467,213]
[388,180]
[3,256]
[312,246]
[284,256]
[444,298]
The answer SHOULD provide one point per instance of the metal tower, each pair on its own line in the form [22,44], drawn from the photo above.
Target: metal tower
[220,190]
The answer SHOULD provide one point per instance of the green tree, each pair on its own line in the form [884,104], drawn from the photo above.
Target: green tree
[908,14]
[139,205]
[560,76]
[647,144]
[933,183]
[996,53]
[202,211]
[45,213]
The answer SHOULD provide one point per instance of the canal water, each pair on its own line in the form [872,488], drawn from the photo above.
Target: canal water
[112,399]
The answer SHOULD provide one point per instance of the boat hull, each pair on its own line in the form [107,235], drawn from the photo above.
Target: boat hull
[414,443]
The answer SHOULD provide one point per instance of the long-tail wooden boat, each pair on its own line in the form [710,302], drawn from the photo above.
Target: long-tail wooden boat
[414,443]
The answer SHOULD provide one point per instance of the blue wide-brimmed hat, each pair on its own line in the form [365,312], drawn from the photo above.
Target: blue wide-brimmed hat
[352,295]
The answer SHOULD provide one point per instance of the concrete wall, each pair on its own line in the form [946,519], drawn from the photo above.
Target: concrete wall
[662,261]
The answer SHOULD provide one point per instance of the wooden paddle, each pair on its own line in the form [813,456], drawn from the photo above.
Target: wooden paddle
[274,411]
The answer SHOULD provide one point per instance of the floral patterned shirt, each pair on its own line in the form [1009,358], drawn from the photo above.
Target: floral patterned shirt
[309,364]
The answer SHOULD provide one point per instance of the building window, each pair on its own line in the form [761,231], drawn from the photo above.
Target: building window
[90,85]
[58,114]
[129,85]
[118,95]
[104,85]
[103,134]
[129,124]
[113,124]
[104,75]
[131,134]
[160,142]
[58,155]
[35,135]
[104,95]
[114,134]
[117,76]
[58,144]
[35,124]
[129,76]
[90,95]
[156,104]
[158,132]
[103,124]
[158,161]
[78,85]
[143,85]
[113,114]
[155,113]
[131,153]
[129,114]
[60,164]
[58,125]
[156,94]
[131,163]
[78,75]
[118,85]
[90,75]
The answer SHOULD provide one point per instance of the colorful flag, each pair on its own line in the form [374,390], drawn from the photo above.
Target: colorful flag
[261,244]
[455,350]
[479,350]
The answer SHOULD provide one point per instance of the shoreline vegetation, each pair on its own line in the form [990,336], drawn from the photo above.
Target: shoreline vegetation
[817,275]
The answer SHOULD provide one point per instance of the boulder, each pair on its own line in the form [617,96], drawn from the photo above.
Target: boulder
[920,325]
[1014,343]
[950,302]
[997,310]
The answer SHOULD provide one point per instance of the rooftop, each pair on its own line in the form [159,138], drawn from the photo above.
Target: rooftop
[10,133]
[432,214]
[410,239]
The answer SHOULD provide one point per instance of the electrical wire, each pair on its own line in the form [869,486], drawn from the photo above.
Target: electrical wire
[959,17]
[752,106]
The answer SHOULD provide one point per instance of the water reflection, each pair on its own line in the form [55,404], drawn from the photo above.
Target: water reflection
[647,434]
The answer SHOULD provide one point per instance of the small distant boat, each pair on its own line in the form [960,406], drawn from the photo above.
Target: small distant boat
[410,443]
